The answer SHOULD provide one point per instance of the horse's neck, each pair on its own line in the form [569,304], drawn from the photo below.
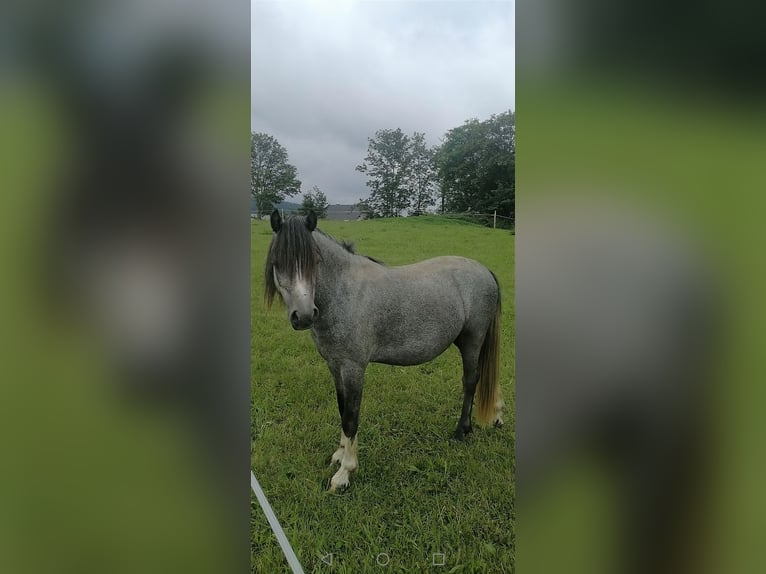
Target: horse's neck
[334,262]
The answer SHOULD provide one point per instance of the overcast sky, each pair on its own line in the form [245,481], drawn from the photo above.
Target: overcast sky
[326,74]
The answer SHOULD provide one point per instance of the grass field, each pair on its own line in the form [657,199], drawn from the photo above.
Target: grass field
[650,145]
[416,492]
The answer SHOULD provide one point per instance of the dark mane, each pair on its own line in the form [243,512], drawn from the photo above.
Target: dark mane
[349,246]
[378,261]
[292,250]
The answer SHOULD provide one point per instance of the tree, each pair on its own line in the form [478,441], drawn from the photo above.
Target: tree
[316,201]
[272,178]
[476,166]
[422,174]
[365,209]
[387,166]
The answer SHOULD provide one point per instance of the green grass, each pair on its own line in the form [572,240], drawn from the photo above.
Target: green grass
[653,148]
[415,492]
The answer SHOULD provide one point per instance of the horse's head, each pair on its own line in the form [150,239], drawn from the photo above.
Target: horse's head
[291,267]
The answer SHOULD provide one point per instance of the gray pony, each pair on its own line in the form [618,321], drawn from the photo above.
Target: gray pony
[361,311]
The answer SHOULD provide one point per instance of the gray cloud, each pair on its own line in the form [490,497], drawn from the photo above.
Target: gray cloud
[326,74]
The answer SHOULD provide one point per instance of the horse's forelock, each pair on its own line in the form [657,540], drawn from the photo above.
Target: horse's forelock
[271,286]
[292,251]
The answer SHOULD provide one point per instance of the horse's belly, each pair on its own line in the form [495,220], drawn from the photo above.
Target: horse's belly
[406,357]
[406,349]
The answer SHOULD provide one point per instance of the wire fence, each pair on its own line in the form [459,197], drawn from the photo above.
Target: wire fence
[494,219]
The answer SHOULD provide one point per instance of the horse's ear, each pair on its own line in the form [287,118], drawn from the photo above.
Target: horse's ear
[311,221]
[276,221]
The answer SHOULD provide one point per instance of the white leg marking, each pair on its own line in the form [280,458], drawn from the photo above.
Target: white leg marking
[499,404]
[338,454]
[348,464]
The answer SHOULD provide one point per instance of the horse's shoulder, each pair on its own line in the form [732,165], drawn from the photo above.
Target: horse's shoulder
[338,342]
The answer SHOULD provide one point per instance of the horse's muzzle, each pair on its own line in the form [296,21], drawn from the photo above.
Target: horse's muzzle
[303,322]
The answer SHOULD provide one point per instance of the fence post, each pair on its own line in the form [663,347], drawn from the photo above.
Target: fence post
[494,220]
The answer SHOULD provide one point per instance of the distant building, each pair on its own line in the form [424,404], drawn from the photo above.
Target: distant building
[340,212]
[336,212]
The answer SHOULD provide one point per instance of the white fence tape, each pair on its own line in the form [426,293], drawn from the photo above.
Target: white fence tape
[292,559]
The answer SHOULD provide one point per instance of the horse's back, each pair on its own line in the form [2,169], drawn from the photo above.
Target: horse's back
[466,272]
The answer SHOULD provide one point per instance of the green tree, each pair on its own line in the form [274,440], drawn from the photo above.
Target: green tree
[422,174]
[387,167]
[272,178]
[316,201]
[366,209]
[476,167]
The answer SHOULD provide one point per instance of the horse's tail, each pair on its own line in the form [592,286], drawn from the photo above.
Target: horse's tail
[489,398]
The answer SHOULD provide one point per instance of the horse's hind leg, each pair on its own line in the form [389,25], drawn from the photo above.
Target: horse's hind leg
[351,379]
[499,405]
[469,350]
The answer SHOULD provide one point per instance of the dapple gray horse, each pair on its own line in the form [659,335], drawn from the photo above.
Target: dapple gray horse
[361,311]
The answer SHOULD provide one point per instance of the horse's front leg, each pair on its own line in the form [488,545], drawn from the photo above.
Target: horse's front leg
[335,370]
[338,454]
[349,400]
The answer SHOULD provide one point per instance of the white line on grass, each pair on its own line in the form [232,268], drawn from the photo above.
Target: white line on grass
[292,559]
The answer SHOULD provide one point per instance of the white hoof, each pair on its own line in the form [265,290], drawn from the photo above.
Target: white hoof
[340,480]
[346,456]
[337,455]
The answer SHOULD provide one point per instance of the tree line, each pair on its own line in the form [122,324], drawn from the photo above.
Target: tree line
[472,171]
